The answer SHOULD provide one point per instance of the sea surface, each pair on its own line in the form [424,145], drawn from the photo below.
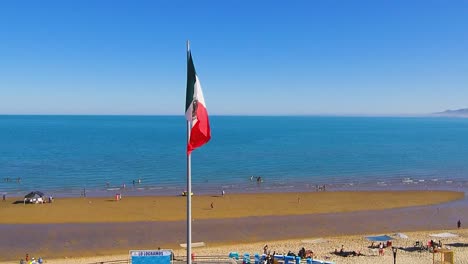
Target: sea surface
[145,155]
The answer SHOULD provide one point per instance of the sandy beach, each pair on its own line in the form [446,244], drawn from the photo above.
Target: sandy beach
[322,250]
[101,227]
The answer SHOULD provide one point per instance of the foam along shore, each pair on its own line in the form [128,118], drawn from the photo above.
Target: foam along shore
[173,208]
[406,252]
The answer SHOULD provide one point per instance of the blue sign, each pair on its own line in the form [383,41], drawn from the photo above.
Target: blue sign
[150,256]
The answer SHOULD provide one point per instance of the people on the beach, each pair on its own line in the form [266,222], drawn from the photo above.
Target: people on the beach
[8,179]
[265,249]
[251,178]
[381,249]
[459,224]
[4,197]
[320,188]
[302,253]
[212,205]
[259,179]
[223,193]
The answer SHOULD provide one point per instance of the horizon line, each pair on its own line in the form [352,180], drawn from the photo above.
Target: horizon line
[247,115]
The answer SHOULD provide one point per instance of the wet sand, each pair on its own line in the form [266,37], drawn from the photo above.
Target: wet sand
[173,208]
[76,227]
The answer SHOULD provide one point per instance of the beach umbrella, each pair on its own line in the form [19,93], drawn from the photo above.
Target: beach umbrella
[314,241]
[400,236]
[444,235]
[379,238]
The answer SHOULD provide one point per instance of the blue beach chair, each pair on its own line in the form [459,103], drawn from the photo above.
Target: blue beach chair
[246,259]
[256,259]
[234,255]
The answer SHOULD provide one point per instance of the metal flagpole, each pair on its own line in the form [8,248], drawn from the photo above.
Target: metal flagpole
[189,187]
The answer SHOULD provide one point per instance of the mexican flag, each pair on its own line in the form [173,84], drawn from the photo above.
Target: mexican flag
[195,109]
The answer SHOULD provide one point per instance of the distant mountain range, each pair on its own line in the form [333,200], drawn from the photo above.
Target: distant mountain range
[455,113]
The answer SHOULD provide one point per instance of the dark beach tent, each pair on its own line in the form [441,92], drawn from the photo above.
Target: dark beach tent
[379,238]
[32,194]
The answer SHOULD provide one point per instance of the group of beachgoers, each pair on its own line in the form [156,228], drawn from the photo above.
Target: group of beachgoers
[268,257]
[7,179]
[26,260]
[124,185]
[381,246]
[344,253]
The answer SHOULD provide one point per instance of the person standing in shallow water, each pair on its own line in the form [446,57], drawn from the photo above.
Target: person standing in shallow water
[459,224]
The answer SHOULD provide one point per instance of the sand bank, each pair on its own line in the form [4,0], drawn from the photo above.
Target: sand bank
[167,208]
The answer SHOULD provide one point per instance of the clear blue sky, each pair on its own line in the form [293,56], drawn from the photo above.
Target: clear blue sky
[252,57]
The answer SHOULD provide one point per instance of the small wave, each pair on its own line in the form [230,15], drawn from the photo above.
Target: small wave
[407,180]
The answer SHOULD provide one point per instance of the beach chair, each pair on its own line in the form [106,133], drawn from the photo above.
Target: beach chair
[289,259]
[257,259]
[234,255]
[246,258]
[298,260]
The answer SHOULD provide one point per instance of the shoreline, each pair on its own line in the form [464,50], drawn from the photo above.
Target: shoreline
[245,187]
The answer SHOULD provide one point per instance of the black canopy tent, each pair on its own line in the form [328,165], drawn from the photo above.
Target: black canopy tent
[33,194]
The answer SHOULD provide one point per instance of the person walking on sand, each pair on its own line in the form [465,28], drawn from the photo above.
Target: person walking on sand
[212,205]
[223,193]
[459,224]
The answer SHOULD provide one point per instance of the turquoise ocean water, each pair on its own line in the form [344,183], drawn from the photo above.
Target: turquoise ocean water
[63,155]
